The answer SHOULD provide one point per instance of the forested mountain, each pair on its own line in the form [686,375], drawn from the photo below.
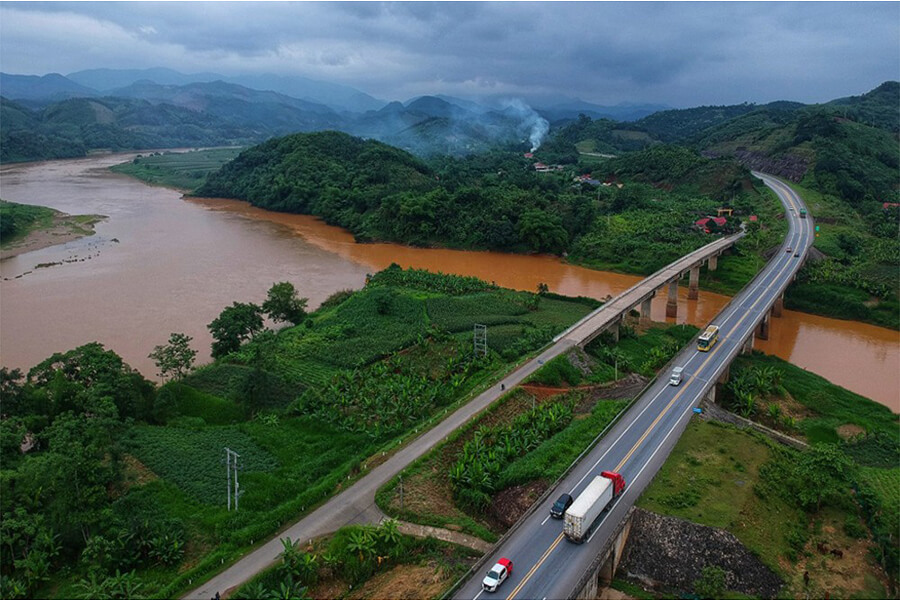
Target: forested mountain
[877,108]
[148,115]
[490,201]
[330,174]
[47,88]
[73,127]
[847,148]
[681,125]
[335,96]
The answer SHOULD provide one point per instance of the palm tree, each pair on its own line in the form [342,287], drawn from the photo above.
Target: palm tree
[361,542]
[290,557]
[389,532]
[309,568]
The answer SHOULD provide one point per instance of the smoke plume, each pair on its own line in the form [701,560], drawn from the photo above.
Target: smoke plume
[533,125]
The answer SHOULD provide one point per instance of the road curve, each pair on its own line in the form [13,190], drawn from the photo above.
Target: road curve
[547,565]
[356,504]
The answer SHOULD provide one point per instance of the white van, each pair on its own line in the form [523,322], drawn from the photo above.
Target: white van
[675,378]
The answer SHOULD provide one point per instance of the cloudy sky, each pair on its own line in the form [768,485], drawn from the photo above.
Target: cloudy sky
[680,54]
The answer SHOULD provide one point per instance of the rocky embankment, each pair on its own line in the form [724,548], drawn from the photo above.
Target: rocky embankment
[788,166]
[670,552]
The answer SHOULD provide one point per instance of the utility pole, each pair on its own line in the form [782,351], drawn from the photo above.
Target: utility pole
[231,467]
[479,343]
[401,492]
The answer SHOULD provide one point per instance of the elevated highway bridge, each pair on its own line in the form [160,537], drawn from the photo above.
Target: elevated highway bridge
[547,566]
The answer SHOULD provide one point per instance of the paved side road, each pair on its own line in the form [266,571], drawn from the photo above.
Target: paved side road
[356,504]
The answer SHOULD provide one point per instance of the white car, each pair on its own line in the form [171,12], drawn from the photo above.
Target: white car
[497,574]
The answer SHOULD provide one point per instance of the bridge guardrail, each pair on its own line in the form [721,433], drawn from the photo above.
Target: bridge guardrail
[733,238]
[704,390]
[543,498]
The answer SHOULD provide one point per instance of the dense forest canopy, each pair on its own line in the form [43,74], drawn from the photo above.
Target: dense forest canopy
[494,201]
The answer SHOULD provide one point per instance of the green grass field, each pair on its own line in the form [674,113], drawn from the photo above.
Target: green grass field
[830,405]
[709,479]
[182,170]
[17,220]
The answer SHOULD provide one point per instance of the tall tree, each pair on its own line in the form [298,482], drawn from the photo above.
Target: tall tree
[175,359]
[283,304]
[823,471]
[234,325]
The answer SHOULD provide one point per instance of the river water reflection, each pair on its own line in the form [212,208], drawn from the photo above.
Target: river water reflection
[162,264]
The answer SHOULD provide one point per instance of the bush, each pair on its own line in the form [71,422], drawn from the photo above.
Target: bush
[711,583]
[557,371]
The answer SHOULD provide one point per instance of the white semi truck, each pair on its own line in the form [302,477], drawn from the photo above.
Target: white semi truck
[585,512]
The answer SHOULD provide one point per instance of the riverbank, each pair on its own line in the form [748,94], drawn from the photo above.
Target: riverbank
[238,251]
[43,227]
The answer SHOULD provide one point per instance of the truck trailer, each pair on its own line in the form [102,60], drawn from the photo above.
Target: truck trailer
[585,512]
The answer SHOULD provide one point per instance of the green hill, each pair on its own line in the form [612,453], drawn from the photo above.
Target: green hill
[681,125]
[73,127]
[329,174]
[877,108]
[495,201]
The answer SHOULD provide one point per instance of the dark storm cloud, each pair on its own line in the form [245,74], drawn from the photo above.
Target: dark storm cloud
[678,53]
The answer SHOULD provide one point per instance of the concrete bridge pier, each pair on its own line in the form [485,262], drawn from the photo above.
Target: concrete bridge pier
[613,329]
[672,302]
[694,287]
[748,345]
[712,263]
[645,310]
[715,391]
[778,307]
[603,569]
[762,330]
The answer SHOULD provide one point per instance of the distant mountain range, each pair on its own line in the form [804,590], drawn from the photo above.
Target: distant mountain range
[54,115]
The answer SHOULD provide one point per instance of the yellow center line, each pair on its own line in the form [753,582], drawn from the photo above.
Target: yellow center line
[699,369]
[536,566]
[655,422]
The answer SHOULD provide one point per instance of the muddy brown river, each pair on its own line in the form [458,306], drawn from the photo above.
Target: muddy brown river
[162,264]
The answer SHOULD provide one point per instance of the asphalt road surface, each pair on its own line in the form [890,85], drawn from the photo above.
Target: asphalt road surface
[356,504]
[549,566]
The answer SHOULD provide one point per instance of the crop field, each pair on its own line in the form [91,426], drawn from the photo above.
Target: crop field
[886,485]
[460,313]
[554,455]
[420,279]
[542,452]
[183,170]
[193,459]
[356,374]
[217,379]
[395,393]
[378,321]
[486,456]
